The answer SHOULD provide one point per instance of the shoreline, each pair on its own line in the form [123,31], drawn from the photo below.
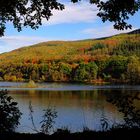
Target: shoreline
[115,134]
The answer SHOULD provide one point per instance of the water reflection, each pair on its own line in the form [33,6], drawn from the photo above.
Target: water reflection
[127,103]
[76,109]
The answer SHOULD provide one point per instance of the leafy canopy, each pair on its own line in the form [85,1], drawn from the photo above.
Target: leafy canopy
[23,13]
[26,12]
[9,113]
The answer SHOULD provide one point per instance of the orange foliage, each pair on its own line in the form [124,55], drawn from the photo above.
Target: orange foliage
[110,42]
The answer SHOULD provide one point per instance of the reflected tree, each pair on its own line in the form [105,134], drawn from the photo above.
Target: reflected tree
[127,104]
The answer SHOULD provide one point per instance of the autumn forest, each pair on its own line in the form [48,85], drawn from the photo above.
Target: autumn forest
[114,59]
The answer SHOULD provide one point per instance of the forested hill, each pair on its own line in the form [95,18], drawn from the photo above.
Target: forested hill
[135,32]
[115,59]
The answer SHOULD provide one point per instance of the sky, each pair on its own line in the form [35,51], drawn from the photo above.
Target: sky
[78,21]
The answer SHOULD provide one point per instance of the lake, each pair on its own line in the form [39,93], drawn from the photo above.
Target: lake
[77,105]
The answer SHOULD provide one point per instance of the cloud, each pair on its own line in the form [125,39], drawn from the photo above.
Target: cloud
[8,43]
[104,31]
[82,12]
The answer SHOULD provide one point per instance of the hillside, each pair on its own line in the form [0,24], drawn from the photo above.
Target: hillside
[135,32]
[69,50]
[84,60]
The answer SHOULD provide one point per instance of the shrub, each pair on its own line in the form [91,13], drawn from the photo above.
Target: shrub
[31,84]
[9,113]
[48,120]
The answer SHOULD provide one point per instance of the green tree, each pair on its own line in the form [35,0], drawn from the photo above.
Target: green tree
[116,66]
[92,70]
[81,73]
[44,69]
[65,68]
[86,72]
[133,70]
[65,71]
[102,65]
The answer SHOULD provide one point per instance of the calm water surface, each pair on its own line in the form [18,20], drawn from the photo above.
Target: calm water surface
[78,105]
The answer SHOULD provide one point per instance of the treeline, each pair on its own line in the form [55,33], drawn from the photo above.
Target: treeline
[115,59]
[113,69]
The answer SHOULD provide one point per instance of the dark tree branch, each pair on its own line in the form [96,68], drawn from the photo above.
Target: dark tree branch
[23,13]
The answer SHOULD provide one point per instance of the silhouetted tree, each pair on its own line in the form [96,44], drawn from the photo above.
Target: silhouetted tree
[24,13]
[9,113]
[126,103]
[48,120]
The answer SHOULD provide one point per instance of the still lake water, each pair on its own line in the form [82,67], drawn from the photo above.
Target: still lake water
[77,105]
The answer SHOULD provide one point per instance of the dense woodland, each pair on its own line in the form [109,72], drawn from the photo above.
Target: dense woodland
[114,59]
